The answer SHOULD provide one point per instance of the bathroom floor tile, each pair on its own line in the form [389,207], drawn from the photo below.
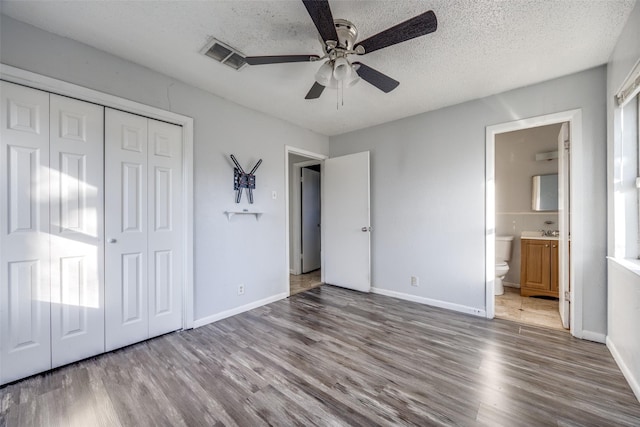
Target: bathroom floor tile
[304,282]
[530,310]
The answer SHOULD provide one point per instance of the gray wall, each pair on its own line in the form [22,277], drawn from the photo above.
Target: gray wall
[515,165]
[624,275]
[428,198]
[227,253]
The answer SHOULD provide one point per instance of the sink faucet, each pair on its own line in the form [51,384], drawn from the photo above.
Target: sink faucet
[552,233]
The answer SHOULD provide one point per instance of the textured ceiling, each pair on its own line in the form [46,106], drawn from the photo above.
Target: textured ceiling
[481,48]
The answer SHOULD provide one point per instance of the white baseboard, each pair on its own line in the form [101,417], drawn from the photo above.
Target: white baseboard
[594,336]
[633,382]
[228,313]
[432,302]
[292,271]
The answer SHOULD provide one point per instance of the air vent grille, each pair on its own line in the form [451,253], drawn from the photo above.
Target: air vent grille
[224,54]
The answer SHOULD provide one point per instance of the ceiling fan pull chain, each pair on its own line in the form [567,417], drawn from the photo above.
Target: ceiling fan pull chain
[342,91]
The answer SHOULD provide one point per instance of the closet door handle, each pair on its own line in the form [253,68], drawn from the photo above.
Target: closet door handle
[112,240]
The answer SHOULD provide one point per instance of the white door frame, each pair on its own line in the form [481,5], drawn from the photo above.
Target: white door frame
[37,81]
[296,202]
[315,158]
[574,117]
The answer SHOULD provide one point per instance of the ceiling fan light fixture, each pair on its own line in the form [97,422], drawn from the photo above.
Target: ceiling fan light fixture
[353,78]
[341,69]
[325,74]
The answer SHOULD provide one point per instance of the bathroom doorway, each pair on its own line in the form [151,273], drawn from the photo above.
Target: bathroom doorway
[516,152]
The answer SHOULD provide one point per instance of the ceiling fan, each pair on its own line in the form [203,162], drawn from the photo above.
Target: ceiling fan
[339,40]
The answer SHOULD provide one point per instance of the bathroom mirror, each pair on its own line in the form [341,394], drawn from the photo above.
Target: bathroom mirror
[545,193]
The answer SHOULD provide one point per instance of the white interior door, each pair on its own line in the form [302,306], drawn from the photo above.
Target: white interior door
[25,343]
[564,209]
[126,234]
[77,243]
[310,220]
[165,222]
[346,222]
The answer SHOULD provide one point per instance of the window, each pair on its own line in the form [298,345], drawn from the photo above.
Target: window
[626,182]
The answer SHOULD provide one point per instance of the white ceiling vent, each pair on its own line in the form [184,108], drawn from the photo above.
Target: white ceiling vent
[225,54]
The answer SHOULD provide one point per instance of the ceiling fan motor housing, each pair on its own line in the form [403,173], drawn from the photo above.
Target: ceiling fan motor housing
[347,33]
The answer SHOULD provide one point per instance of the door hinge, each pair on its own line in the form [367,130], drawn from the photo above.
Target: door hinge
[567,296]
[302,179]
[567,145]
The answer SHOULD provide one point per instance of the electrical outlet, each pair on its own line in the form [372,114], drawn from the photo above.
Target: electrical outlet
[415,281]
[240,289]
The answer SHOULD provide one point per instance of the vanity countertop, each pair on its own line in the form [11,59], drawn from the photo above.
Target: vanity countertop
[536,235]
[539,238]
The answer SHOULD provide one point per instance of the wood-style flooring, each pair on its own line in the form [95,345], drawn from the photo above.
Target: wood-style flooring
[531,310]
[330,356]
[304,282]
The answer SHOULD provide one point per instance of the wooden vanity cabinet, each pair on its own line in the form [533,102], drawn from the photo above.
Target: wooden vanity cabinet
[539,268]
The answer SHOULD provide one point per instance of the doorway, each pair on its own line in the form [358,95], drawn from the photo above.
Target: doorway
[569,293]
[527,225]
[304,172]
[345,229]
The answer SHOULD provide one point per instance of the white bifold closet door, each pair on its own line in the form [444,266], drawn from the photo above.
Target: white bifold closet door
[51,235]
[24,227]
[142,225]
[76,216]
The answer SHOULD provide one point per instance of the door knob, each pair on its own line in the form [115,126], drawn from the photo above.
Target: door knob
[112,240]
[365,229]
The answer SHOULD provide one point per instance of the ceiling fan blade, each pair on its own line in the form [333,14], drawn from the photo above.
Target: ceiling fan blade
[260,60]
[415,27]
[320,13]
[376,78]
[315,91]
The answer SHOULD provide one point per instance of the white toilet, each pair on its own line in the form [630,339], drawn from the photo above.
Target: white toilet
[503,254]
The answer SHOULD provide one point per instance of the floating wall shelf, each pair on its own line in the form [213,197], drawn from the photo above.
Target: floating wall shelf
[230,214]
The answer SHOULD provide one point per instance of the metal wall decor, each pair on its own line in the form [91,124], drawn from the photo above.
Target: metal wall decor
[241,180]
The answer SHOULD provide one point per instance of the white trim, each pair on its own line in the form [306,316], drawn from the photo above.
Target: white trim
[629,264]
[237,310]
[432,302]
[37,81]
[574,117]
[628,374]
[594,336]
[316,156]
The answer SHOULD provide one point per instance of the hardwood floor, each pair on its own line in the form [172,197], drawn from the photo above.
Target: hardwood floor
[335,357]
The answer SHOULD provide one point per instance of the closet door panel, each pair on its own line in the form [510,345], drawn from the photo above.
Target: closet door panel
[77,230]
[126,233]
[24,232]
[165,223]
